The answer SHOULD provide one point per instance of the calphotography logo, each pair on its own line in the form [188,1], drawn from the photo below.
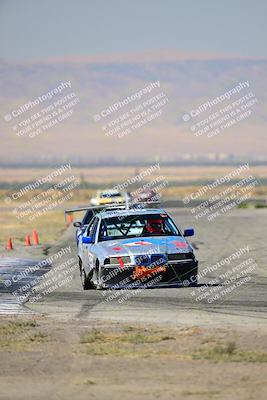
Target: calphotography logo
[52,109]
[53,190]
[137,109]
[227,110]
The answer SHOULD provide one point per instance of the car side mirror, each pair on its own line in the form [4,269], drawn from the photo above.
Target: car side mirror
[77,224]
[189,232]
[87,239]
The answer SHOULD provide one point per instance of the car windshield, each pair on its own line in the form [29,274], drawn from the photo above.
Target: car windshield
[123,227]
[107,195]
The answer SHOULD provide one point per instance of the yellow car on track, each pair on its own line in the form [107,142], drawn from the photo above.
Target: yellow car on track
[106,197]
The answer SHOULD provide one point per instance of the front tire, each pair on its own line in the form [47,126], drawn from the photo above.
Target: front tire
[194,281]
[87,284]
[97,272]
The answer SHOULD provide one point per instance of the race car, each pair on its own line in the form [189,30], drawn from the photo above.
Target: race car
[135,247]
[83,224]
[145,195]
[88,216]
[109,196]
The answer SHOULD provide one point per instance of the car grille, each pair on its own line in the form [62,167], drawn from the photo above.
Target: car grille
[155,259]
[115,260]
[143,259]
[158,259]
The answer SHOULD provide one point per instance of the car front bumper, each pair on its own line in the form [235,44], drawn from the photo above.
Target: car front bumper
[182,273]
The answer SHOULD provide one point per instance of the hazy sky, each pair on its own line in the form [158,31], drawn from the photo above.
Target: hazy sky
[34,29]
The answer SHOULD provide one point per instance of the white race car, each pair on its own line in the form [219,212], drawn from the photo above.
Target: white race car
[132,247]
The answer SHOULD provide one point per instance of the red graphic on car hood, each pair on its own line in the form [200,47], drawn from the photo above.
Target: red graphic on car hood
[180,244]
[117,248]
[141,243]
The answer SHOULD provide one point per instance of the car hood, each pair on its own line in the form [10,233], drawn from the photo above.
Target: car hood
[145,245]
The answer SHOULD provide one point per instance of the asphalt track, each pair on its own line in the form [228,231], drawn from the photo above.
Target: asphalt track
[243,307]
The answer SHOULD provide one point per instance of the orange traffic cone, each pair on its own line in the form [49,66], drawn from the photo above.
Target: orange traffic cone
[69,219]
[9,244]
[35,237]
[27,240]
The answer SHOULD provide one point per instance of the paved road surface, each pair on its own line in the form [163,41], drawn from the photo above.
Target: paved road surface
[244,306]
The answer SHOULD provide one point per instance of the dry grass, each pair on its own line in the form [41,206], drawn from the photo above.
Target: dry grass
[128,342]
[119,174]
[49,226]
[141,342]
[229,352]
[20,335]
[16,327]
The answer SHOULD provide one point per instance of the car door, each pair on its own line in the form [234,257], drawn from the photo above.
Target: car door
[88,257]
[91,253]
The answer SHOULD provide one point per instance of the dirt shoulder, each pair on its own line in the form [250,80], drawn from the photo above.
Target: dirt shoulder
[42,358]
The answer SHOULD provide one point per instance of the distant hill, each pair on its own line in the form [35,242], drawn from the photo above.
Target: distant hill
[188,81]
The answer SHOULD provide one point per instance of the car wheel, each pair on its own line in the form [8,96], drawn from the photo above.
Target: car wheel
[194,281]
[97,272]
[86,280]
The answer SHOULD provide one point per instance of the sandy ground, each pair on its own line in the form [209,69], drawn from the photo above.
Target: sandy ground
[79,360]
[161,343]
